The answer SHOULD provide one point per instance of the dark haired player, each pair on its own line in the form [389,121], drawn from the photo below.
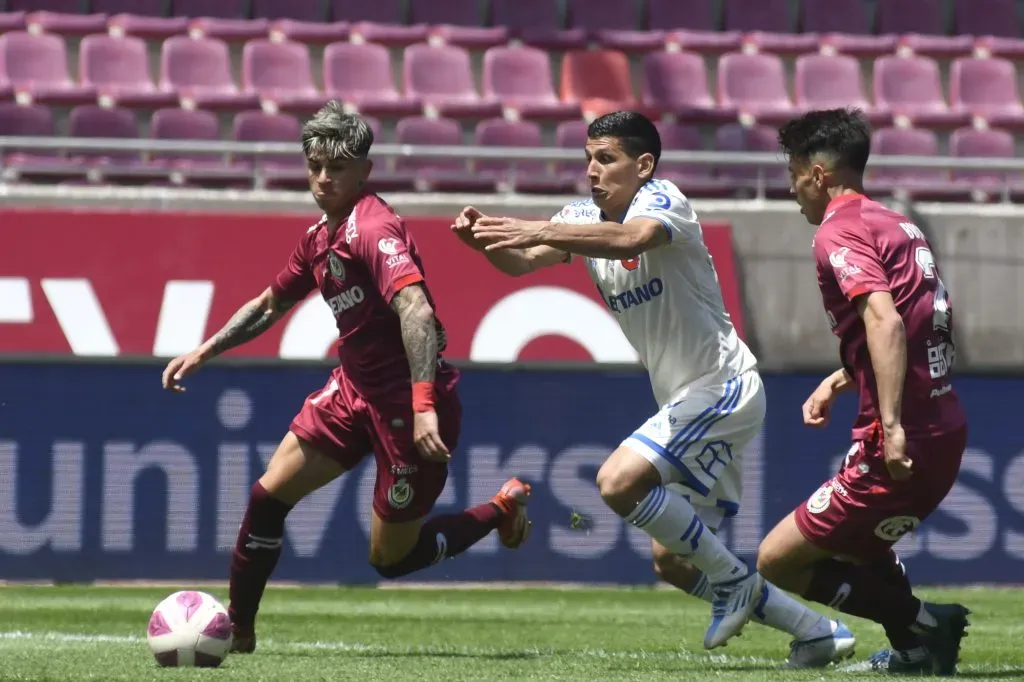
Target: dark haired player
[887,304]
[392,393]
[678,476]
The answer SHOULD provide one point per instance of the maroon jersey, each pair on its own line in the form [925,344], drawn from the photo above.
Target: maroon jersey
[358,270]
[863,247]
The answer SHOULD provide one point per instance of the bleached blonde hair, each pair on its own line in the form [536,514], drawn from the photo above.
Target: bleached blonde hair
[334,134]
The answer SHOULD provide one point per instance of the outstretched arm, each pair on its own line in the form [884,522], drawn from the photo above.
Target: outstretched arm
[596,240]
[251,320]
[512,262]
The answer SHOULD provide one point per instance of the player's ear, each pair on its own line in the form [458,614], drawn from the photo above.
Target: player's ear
[818,174]
[645,166]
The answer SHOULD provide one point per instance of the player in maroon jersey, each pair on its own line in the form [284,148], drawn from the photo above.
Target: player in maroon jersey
[392,393]
[886,302]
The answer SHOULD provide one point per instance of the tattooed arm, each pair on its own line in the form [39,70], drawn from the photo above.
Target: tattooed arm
[251,320]
[419,332]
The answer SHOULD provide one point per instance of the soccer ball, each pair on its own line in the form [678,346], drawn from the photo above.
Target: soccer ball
[189,629]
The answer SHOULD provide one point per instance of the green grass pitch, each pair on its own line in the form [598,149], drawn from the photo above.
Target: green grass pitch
[316,633]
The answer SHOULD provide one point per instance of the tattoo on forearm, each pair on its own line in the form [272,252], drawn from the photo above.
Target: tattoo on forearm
[419,333]
[251,320]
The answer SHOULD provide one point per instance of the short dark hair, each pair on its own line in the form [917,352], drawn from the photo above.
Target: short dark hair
[840,133]
[637,133]
[336,134]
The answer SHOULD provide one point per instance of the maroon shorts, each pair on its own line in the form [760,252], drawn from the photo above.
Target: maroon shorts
[861,512]
[346,427]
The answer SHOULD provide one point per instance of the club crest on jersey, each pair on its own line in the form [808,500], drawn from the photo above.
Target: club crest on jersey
[336,266]
[400,494]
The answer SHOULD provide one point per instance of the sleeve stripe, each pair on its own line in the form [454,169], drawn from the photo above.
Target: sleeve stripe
[406,280]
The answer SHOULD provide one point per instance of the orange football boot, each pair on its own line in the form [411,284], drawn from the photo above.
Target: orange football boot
[512,500]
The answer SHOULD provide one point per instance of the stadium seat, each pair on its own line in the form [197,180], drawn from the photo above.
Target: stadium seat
[94,121]
[303,21]
[524,175]
[917,182]
[520,78]
[199,70]
[537,23]
[690,25]
[35,68]
[458,22]
[842,26]
[142,8]
[692,179]
[436,174]
[361,77]
[12,21]
[118,69]
[910,87]
[145,26]
[598,79]
[62,17]
[995,23]
[613,24]
[832,81]
[676,83]
[27,121]
[767,26]
[281,170]
[572,135]
[754,85]
[193,167]
[984,184]
[379,21]
[921,27]
[222,9]
[280,74]
[441,76]
[743,181]
[986,89]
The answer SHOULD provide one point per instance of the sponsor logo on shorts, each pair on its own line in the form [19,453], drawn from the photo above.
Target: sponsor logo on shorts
[404,469]
[400,494]
[895,527]
[820,500]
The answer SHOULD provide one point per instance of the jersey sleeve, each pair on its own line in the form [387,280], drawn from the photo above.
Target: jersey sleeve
[670,208]
[854,260]
[296,279]
[383,248]
[562,217]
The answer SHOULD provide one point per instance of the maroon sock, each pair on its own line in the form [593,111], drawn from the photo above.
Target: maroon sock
[256,552]
[892,571]
[443,537]
[861,591]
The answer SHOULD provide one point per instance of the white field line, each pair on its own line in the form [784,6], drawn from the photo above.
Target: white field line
[51,639]
[71,639]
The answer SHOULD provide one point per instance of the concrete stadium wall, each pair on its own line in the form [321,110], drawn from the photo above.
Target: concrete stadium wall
[980,250]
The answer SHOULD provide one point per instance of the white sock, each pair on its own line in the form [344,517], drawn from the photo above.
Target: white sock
[780,611]
[670,519]
[777,610]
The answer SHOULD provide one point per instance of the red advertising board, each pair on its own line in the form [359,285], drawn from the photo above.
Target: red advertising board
[157,283]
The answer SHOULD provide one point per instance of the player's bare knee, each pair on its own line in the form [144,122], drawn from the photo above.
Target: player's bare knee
[625,479]
[771,563]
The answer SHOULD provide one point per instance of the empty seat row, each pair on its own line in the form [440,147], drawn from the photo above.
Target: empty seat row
[457,174]
[927,17]
[516,80]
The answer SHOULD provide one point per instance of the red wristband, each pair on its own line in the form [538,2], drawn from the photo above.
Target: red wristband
[423,396]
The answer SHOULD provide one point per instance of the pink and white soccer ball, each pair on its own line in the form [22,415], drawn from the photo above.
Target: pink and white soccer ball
[190,629]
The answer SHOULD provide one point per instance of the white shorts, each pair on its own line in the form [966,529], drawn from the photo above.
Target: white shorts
[697,440]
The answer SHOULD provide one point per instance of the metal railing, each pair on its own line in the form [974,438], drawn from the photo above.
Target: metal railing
[764,161]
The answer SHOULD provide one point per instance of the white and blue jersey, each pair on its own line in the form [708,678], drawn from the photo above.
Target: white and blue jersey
[669,305]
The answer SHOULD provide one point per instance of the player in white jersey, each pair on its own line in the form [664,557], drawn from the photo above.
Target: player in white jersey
[677,476]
